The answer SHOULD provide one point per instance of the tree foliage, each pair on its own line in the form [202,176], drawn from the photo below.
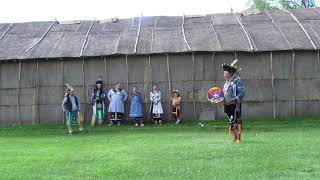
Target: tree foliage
[264,5]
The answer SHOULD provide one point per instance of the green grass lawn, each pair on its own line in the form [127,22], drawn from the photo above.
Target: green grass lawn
[270,149]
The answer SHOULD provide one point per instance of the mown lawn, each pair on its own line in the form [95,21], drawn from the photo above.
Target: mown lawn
[270,149]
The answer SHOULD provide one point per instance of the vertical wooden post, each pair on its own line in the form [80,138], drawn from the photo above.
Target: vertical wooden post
[272,85]
[106,81]
[105,70]
[215,110]
[151,81]
[146,83]
[35,107]
[84,89]
[318,53]
[127,71]
[293,84]
[193,93]
[169,85]
[18,94]
[62,66]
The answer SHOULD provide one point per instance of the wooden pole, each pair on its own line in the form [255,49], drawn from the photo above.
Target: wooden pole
[318,52]
[293,84]
[105,70]
[151,79]
[215,110]
[169,85]
[62,66]
[35,108]
[127,70]
[146,82]
[193,95]
[18,94]
[272,85]
[84,89]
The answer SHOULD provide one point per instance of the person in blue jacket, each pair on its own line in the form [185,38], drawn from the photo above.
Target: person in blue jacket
[234,92]
[136,111]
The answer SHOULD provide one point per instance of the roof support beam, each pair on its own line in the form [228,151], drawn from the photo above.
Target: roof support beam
[152,35]
[79,26]
[251,43]
[215,32]
[84,45]
[184,35]
[304,30]
[285,37]
[138,34]
[42,37]
[56,45]
[5,32]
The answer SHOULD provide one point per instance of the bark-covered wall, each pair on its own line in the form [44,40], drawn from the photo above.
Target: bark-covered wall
[281,83]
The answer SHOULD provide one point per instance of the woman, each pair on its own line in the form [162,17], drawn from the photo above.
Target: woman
[156,106]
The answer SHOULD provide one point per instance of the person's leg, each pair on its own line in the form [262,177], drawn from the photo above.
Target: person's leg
[178,115]
[237,132]
[160,119]
[141,122]
[119,118]
[68,120]
[155,119]
[93,118]
[112,118]
[136,121]
[79,119]
[70,129]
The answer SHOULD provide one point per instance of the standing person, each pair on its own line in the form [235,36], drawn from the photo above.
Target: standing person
[136,112]
[117,97]
[156,106]
[98,98]
[71,106]
[176,107]
[234,92]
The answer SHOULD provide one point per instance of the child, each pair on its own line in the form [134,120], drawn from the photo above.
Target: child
[136,112]
[175,102]
[71,106]
[155,106]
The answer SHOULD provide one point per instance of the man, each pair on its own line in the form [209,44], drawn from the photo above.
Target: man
[71,106]
[234,92]
[117,97]
[98,100]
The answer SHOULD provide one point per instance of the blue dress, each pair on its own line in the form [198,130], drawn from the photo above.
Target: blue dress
[116,99]
[136,106]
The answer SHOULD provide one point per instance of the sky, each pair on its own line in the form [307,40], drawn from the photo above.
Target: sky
[45,10]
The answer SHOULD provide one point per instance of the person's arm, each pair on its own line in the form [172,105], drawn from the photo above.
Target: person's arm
[151,97]
[79,105]
[109,95]
[125,94]
[103,96]
[63,104]
[241,91]
[179,100]
[92,97]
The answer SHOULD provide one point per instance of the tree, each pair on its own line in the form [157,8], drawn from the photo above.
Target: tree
[264,5]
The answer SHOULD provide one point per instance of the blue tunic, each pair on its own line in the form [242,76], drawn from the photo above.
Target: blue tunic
[117,100]
[136,106]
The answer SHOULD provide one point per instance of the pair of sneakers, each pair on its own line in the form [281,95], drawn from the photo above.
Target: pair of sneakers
[118,123]
[136,124]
